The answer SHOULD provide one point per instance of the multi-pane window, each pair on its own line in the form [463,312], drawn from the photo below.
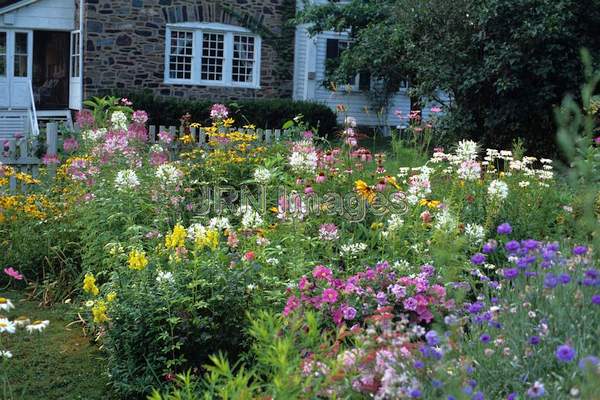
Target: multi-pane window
[2,53]
[75,38]
[212,54]
[181,55]
[243,58]
[21,57]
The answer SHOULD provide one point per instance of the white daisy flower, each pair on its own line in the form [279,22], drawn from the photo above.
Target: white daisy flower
[37,326]
[7,326]
[5,354]
[6,304]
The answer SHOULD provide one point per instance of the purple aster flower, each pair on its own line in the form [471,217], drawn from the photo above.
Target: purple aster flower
[565,353]
[504,229]
[478,396]
[589,362]
[550,281]
[534,340]
[512,247]
[489,247]
[436,383]
[536,390]
[596,299]
[531,244]
[428,269]
[478,259]
[510,273]
[512,396]
[579,250]
[564,278]
[419,364]
[485,338]
[475,307]
[415,393]
[432,338]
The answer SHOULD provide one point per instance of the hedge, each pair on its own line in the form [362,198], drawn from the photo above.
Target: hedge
[264,113]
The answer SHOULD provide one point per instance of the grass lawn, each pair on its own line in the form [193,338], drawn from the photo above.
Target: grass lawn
[59,363]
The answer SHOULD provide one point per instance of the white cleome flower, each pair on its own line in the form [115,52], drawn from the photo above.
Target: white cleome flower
[250,218]
[498,190]
[126,180]
[118,120]
[165,277]
[93,135]
[262,175]
[476,233]
[168,174]
[466,150]
[220,223]
[37,326]
[7,326]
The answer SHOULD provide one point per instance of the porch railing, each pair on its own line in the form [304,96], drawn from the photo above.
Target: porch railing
[32,113]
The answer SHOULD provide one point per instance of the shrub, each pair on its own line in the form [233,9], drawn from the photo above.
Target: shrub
[263,113]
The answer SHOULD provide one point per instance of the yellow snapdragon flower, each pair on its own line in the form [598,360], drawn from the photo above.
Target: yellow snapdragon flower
[89,284]
[137,260]
[176,238]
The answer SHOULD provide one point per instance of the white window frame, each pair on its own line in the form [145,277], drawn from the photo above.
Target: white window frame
[197,29]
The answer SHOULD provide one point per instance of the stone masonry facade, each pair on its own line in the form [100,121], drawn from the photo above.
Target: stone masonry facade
[124,45]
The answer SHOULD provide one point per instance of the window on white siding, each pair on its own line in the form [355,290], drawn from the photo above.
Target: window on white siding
[21,57]
[334,50]
[212,55]
[2,53]
[75,38]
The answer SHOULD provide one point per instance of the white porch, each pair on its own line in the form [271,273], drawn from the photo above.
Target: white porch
[40,66]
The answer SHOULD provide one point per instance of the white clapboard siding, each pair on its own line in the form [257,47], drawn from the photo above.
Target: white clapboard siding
[42,14]
[13,123]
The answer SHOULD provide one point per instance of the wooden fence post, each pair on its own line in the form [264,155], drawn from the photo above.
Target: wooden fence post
[52,145]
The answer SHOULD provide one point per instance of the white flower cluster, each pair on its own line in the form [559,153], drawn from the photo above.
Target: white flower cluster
[475,233]
[498,190]
[418,185]
[93,135]
[466,150]
[303,162]
[168,174]
[220,223]
[118,121]
[262,175]
[126,179]
[394,223]
[250,218]
[352,249]
[469,170]
[165,277]
[445,220]
[195,230]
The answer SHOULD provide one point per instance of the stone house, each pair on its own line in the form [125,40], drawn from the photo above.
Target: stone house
[55,53]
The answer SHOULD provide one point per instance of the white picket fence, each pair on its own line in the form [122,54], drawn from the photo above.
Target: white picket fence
[19,154]
[201,138]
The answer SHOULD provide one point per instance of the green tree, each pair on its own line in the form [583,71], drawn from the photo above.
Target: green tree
[505,64]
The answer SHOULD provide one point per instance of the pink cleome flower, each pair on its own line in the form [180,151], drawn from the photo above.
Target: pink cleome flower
[13,273]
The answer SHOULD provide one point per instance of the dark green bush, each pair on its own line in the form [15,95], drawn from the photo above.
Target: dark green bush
[264,113]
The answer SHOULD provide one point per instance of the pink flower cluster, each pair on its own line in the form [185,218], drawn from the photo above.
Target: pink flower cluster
[219,111]
[360,295]
[85,118]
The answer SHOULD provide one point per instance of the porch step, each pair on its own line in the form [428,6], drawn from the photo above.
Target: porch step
[64,116]
[13,122]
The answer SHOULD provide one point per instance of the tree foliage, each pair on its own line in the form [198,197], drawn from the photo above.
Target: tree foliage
[505,64]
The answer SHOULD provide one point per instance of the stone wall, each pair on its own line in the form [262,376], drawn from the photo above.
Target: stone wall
[124,44]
